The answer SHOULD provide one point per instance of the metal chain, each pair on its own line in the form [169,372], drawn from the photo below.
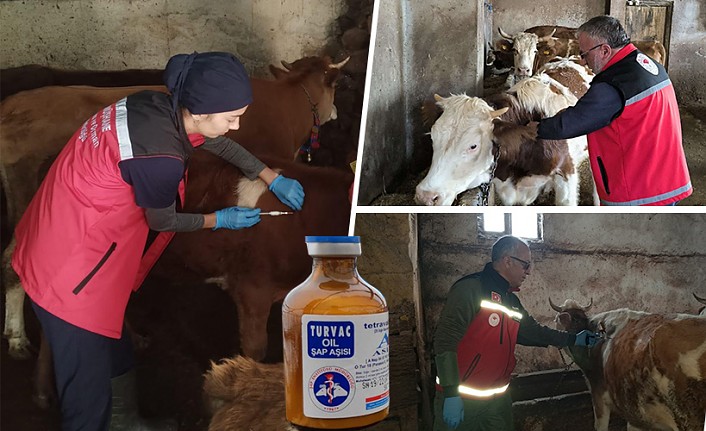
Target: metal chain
[485,187]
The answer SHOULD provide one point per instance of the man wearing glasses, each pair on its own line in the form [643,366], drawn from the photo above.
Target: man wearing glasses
[631,117]
[475,342]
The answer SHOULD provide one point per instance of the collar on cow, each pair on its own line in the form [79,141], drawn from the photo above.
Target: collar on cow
[313,142]
[485,187]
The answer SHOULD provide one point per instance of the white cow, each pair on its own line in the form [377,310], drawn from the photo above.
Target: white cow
[470,135]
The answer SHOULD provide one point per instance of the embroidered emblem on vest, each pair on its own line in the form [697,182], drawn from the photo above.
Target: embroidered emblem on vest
[494,320]
[495,297]
[646,63]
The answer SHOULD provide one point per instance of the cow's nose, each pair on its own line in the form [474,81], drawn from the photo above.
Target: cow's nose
[426,197]
[524,71]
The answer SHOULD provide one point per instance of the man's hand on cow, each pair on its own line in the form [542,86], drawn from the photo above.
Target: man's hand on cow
[587,338]
[453,411]
[289,191]
[237,218]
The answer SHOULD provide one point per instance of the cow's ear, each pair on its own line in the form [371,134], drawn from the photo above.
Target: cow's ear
[499,112]
[277,72]
[503,45]
[331,76]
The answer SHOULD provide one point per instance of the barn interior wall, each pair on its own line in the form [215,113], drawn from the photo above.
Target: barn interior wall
[141,34]
[688,52]
[421,48]
[388,264]
[514,16]
[641,261]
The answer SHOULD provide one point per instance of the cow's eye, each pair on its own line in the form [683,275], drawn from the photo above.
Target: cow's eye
[473,147]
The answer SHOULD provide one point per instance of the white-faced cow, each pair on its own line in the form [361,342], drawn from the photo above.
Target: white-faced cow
[476,141]
[649,368]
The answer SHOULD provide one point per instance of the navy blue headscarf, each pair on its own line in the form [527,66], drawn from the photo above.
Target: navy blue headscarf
[208,82]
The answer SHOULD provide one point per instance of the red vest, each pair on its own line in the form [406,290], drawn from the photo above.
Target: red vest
[486,353]
[638,159]
[81,240]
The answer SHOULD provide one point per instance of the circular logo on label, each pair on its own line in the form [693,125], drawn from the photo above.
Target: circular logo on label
[494,320]
[331,388]
[647,63]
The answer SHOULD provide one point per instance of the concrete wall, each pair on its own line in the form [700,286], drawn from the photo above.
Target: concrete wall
[108,34]
[642,261]
[389,263]
[421,48]
[688,51]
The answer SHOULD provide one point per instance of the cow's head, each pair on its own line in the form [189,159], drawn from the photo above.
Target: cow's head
[463,149]
[702,310]
[571,316]
[317,76]
[524,48]
[500,57]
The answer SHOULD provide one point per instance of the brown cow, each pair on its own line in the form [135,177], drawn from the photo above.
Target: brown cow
[257,266]
[242,394]
[278,122]
[16,79]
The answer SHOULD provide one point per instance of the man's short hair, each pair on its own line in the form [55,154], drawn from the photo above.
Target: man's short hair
[606,28]
[506,246]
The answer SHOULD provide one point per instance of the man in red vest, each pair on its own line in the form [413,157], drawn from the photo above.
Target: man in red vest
[475,339]
[631,117]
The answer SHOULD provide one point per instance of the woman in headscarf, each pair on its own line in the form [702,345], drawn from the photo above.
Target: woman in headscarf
[80,243]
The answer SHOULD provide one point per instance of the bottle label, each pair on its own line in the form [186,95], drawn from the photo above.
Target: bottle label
[345,365]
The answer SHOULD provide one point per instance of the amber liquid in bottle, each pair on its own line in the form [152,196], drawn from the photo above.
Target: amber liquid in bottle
[333,288]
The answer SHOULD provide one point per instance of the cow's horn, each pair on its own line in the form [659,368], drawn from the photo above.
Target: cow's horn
[438,98]
[286,65]
[499,112]
[588,307]
[341,64]
[701,300]
[555,307]
[503,34]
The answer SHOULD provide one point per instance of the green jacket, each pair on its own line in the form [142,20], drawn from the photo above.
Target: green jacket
[462,306]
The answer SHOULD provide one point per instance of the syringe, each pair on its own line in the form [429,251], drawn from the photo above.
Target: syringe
[276,213]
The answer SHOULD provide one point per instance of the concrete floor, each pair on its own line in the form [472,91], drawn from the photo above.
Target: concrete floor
[694,141]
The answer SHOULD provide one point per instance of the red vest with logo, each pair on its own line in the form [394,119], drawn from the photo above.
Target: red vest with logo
[80,242]
[638,159]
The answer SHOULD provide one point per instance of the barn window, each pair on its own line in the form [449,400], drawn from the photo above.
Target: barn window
[523,224]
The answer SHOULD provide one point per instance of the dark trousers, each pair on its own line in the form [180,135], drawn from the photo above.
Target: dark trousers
[84,363]
[491,414]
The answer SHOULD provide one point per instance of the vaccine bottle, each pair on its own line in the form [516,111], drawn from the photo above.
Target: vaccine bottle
[336,350]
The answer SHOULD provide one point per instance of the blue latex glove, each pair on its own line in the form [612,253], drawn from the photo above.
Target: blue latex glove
[453,411]
[289,191]
[237,217]
[587,338]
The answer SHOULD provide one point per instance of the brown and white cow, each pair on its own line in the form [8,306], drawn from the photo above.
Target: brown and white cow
[37,124]
[478,140]
[649,368]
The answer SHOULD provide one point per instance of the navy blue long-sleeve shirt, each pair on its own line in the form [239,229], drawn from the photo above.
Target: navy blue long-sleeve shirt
[595,110]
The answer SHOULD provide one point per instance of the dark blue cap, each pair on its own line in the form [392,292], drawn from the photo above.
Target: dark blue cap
[208,82]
